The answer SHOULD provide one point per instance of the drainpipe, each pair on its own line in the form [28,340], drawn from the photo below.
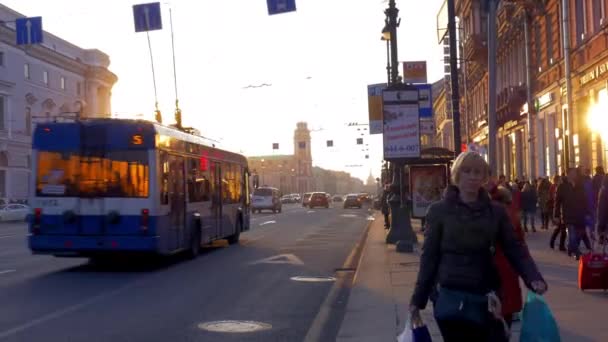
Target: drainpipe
[531,165]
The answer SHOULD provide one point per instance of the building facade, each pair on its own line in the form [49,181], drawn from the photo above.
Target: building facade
[288,173]
[39,83]
[583,126]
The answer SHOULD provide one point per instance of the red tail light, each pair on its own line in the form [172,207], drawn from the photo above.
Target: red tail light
[37,220]
[145,218]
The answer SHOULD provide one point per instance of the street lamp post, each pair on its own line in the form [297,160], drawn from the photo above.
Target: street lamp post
[401,232]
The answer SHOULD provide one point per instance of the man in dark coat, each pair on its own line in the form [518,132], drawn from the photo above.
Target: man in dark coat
[572,209]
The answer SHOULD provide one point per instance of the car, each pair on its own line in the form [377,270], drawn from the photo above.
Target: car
[306,198]
[287,199]
[296,198]
[338,198]
[318,199]
[14,212]
[352,201]
[266,198]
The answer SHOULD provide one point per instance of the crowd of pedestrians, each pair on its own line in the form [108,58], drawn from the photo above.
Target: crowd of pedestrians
[475,249]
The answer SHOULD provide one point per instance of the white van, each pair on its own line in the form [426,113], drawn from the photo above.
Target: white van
[266,199]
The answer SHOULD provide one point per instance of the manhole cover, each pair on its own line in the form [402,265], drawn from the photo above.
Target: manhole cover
[236,327]
[309,279]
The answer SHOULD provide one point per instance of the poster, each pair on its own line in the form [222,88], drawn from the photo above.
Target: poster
[401,131]
[427,184]
[374,102]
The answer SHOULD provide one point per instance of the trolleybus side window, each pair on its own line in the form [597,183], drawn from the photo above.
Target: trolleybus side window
[164,178]
[199,187]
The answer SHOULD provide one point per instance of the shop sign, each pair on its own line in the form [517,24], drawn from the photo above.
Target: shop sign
[510,125]
[594,74]
[543,101]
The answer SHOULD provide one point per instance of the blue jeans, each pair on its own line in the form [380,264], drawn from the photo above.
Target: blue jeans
[529,215]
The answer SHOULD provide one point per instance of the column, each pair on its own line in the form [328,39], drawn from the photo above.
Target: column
[519,154]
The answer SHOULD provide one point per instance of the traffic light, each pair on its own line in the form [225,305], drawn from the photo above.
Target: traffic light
[275,146]
[158,116]
[359,141]
[330,143]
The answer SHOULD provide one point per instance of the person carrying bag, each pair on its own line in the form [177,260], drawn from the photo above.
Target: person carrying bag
[462,233]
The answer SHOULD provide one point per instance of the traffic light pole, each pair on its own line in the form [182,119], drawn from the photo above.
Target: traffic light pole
[401,233]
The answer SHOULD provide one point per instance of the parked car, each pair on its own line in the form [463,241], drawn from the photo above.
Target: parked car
[14,212]
[266,199]
[306,199]
[318,199]
[352,201]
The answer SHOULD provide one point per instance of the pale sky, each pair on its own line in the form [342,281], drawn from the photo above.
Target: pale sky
[319,61]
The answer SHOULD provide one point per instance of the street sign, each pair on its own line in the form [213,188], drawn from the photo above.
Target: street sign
[442,21]
[330,143]
[359,141]
[374,103]
[401,136]
[414,72]
[147,17]
[425,100]
[281,6]
[29,30]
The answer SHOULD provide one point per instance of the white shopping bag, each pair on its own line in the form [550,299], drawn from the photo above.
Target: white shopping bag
[406,335]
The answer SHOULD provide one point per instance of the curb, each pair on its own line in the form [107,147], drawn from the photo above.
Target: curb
[337,298]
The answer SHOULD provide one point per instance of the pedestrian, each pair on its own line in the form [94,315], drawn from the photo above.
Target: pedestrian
[602,213]
[598,180]
[560,227]
[528,205]
[544,202]
[463,231]
[571,208]
[510,290]
[384,206]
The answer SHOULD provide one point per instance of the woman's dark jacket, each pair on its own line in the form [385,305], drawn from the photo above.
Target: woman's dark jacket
[459,244]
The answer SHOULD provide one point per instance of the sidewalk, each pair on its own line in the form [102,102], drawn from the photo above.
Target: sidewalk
[377,306]
[383,285]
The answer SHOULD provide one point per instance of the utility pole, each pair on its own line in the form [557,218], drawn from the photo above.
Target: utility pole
[454,76]
[492,124]
[531,108]
[566,115]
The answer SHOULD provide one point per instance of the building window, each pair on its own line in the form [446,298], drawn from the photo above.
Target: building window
[537,44]
[549,32]
[26,71]
[580,20]
[598,14]
[45,77]
[302,144]
[2,111]
[62,83]
[78,88]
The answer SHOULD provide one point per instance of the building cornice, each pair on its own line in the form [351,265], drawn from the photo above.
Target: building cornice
[44,54]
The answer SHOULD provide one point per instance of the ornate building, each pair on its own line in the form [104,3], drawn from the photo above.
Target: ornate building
[288,173]
[546,140]
[41,82]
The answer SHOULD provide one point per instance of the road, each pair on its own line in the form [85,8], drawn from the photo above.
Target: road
[53,299]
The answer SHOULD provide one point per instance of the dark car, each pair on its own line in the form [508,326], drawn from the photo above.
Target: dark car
[352,201]
[318,199]
[338,198]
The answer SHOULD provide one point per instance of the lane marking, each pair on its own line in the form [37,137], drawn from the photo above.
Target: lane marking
[349,215]
[280,259]
[310,211]
[8,236]
[267,222]
[7,271]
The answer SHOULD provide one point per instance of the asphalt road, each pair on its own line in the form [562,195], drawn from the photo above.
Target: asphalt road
[50,299]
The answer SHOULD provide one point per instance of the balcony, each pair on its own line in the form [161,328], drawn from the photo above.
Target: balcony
[476,49]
